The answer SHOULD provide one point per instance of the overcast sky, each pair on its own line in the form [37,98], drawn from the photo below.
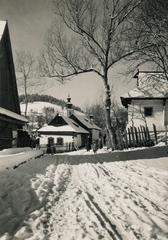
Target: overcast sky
[28,21]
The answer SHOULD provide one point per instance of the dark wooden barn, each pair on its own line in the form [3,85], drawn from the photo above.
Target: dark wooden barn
[10,117]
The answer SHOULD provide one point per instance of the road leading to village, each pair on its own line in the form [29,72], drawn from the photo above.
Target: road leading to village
[100,200]
[93,197]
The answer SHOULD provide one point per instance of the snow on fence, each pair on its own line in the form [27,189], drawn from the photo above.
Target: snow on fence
[137,137]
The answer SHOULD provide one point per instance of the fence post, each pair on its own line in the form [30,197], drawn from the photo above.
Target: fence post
[122,143]
[143,136]
[126,139]
[133,138]
[120,139]
[148,135]
[73,146]
[165,134]
[155,133]
[136,137]
[129,136]
[140,139]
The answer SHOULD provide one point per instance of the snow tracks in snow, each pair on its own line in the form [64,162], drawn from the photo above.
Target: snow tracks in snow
[85,197]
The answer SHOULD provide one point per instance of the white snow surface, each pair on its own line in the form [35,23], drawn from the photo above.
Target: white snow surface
[91,197]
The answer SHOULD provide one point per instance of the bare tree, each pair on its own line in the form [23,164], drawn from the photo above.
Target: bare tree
[27,73]
[97,109]
[25,69]
[48,113]
[151,25]
[89,36]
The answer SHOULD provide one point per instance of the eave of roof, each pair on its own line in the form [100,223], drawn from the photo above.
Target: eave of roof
[74,125]
[138,72]
[146,93]
[11,115]
[50,128]
[85,121]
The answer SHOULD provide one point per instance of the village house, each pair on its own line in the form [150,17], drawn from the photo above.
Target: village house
[69,129]
[11,121]
[88,124]
[147,103]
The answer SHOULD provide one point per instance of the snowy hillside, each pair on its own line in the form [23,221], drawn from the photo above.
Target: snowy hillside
[38,107]
[119,195]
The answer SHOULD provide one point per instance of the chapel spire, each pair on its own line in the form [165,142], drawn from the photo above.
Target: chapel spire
[69,106]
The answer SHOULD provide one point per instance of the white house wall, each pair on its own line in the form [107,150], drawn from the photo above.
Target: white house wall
[78,140]
[44,139]
[95,134]
[66,139]
[136,114]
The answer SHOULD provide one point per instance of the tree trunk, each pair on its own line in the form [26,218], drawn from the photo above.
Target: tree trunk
[110,128]
[26,104]
[26,96]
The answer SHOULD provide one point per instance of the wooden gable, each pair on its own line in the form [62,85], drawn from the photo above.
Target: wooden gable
[8,88]
[58,121]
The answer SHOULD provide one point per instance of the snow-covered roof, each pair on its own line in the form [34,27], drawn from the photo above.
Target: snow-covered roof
[65,128]
[13,115]
[2,27]
[74,125]
[85,121]
[149,85]
[139,92]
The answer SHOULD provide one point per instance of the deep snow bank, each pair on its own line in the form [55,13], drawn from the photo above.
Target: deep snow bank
[13,157]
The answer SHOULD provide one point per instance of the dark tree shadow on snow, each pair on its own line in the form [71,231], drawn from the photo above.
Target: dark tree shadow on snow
[148,153]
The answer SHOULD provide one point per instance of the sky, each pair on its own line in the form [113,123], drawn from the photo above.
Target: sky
[28,22]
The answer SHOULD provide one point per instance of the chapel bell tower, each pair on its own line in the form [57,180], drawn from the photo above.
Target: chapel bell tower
[69,106]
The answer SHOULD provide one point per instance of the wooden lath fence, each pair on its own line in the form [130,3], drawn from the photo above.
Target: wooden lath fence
[137,137]
[54,148]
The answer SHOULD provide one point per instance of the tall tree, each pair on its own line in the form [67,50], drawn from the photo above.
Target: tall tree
[27,74]
[88,36]
[25,69]
[96,109]
[119,120]
[151,25]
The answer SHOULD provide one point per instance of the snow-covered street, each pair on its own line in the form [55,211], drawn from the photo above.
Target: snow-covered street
[75,197]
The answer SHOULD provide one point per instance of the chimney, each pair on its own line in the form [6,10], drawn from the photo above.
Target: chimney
[136,75]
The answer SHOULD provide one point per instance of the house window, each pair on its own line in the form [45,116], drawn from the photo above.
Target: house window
[148,111]
[50,141]
[60,141]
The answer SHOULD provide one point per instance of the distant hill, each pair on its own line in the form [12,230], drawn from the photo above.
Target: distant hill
[45,98]
[43,108]
[38,107]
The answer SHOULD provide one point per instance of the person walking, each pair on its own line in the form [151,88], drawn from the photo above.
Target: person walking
[95,145]
[88,144]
